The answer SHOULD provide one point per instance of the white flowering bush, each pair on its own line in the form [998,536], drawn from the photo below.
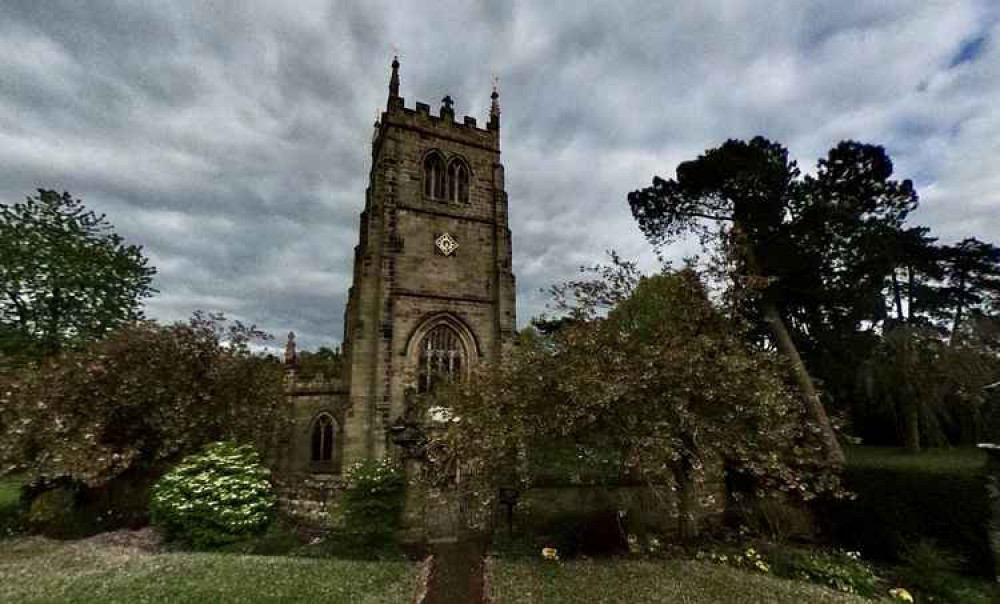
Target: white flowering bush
[373,500]
[217,496]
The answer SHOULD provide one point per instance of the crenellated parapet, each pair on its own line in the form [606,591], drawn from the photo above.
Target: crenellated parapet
[297,384]
[443,125]
[315,385]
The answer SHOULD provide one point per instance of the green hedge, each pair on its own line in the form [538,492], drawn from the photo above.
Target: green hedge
[903,498]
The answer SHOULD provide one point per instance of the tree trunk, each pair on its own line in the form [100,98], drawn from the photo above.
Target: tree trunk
[814,406]
[956,321]
[958,310]
[897,297]
[909,293]
[687,500]
[911,429]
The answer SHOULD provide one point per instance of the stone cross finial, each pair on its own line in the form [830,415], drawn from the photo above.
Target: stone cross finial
[291,356]
[447,102]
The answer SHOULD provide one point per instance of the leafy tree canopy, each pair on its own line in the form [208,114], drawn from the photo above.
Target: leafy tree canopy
[738,198]
[972,273]
[917,389]
[144,396]
[65,276]
[663,380]
[825,265]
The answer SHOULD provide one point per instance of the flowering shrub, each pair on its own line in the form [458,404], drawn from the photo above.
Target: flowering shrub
[900,594]
[749,559]
[219,495]
[373,500]
[843,571]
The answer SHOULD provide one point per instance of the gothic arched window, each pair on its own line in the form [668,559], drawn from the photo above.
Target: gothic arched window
[442,357]
[458,182]
[434,176]
[322,438]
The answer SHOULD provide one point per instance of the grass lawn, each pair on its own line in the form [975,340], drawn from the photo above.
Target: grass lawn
[640,582]
[35,570]
[10,491]
[10,495]
[951,460]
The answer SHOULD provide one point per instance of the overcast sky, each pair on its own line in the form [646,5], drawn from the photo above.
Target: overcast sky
[232,139]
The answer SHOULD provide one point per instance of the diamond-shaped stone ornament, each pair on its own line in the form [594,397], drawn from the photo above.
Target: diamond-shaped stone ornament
[446,243]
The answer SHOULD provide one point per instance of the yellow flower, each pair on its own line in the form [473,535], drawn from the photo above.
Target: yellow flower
[550,553]
[901,594]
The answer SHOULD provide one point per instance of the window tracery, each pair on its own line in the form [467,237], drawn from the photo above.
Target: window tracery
[458,182]
[443,183]
[442,358]
[322,438]
[434,177]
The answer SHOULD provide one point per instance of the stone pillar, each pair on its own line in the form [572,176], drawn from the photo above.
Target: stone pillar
[993,493]
[413,524]
[408,435]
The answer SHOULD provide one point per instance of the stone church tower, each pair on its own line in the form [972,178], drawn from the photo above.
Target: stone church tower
[433,288]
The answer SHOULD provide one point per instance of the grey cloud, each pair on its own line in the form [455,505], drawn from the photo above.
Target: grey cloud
[232,138]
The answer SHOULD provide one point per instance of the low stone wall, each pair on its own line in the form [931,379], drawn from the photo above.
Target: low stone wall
[311,499]
[644,508]
[433,515]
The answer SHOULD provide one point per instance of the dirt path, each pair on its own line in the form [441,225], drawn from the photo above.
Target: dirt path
[456,574]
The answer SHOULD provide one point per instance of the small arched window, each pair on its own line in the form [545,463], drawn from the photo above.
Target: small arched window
[442,358]
[434,177]
[458,182]
[322,438]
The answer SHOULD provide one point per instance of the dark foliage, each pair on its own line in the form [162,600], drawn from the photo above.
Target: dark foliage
[899,504]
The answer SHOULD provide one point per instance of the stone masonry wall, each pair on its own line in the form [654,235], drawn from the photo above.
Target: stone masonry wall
[310,499]
[401,279]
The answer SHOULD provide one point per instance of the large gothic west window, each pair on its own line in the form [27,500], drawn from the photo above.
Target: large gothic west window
[442,358]
[434,177]
[458,182]
[322,438]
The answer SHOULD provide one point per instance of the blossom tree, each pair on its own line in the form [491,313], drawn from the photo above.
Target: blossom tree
[123,409]
[663,379]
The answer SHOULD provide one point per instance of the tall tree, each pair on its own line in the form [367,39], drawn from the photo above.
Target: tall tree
[844,217]
[972,271]
[916,276]
[65,275]
[846,229]
[737,197]
[917,390]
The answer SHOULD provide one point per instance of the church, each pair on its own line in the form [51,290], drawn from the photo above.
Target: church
[433,290]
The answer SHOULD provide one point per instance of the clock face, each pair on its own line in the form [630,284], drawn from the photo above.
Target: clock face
[446,244]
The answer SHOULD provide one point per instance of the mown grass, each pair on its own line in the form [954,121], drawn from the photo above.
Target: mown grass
[37,571]
[640,582]
[10,505]
[964,460]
